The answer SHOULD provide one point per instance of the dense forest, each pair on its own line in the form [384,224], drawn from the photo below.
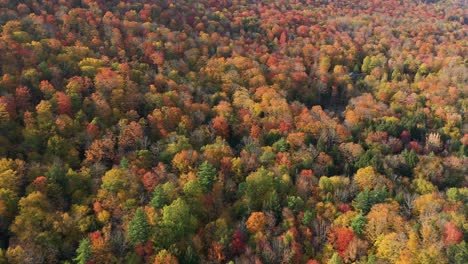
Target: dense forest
[233,131]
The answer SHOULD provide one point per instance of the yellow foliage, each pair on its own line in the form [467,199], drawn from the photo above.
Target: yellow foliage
[428,204]
[423,187]
[389,246]
[345,219]
[256,222]
[103,216]
[382,219]
[9,180]
[366,178]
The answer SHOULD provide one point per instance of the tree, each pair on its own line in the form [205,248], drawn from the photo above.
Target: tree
[358,224]
[33,228]
[164,257]
[221,126]
[176,223]
[256,222]
[389,246]
[458,253]
[366,178]
[138,228]
[382,219]
[366,199]
[259,187]
[83,252]
[115,180]
[452,234]
[206,175]
[163,194]
[335,259]
[64,104]
[341,238]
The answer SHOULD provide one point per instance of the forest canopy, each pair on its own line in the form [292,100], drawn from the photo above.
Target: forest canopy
[233,131]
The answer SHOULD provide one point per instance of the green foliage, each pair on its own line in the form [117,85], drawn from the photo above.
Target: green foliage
[281,145]
[308,217]
[335,259]
[124,163]
[458,253]
[115,180]
[358,224]
[83,252]
[176,223]
[295,203]
[163,194]
[411,158]
[259,188]
[206,175]
[370,158]
[458,194]
[138,228]
[366,199]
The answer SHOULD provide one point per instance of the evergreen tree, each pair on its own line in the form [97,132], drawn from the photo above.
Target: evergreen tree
[411,158]
[206,175]
[366,199]
[159,197]
[138,229]
[83,251]
[358,224]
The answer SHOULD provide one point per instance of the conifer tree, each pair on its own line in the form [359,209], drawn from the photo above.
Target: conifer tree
[138,229]
[83,251]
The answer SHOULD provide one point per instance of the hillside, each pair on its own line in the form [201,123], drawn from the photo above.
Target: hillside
[233,131]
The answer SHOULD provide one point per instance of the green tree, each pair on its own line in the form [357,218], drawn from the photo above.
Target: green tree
[176,223]
[458,253]
[358,224]
[411,158]
[259,188]
[335,259]
[366,199]
[83,252]
[163,194]
[206,174]
[159,197]
[138,228]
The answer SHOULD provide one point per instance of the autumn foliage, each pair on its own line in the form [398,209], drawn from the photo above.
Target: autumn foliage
[227,131]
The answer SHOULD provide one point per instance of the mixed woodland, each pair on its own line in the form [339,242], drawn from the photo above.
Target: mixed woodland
[233,131]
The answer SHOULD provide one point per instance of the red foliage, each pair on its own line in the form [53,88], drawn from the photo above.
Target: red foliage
[344,208]
[64,105]
[238,242]
[413,145]
[146,249]
[283,38]
[97,207]
[307,173]
[405,136]
[149,181]
[255,131]
[226,165]
[23,98]
[92,130]
[40,183]
[452,235]
[340,238]
[221,126]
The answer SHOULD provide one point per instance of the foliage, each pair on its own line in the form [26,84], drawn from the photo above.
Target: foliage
[209,131]
[138,228]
